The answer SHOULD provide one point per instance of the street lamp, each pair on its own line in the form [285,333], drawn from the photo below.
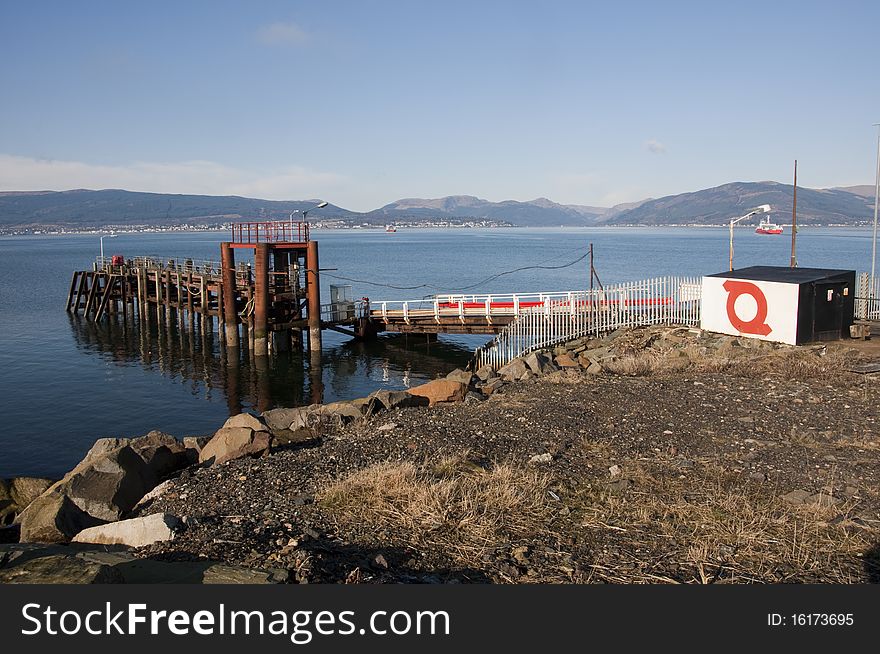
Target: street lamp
[764,208]
[876,202]
[320,205]
[102,245]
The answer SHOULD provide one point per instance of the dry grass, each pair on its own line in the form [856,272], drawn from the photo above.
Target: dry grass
[452,504]
[645,364]
[788,363]
[722,532]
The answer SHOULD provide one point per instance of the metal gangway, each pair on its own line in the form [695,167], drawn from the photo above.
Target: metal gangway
[662,300]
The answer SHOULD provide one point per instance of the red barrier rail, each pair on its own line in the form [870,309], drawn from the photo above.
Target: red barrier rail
[270,232]
[635,302]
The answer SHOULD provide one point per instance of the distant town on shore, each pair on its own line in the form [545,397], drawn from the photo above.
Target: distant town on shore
[84,211]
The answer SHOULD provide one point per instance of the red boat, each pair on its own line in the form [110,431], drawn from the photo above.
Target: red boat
[766,227]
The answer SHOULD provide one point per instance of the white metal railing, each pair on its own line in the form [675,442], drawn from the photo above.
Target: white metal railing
[663,300]
[867,298]
[342,312]
[463,306]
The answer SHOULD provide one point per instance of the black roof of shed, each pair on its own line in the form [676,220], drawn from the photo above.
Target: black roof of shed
[785,274]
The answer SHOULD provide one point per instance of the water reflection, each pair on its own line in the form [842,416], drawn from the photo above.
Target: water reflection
[192,353]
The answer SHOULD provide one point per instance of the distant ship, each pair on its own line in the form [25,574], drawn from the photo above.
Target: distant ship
[766,227]
[390,228]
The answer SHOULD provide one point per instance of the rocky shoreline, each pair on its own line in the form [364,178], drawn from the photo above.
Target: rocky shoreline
[648,455]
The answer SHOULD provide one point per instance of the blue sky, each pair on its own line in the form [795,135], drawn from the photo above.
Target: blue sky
[362,103]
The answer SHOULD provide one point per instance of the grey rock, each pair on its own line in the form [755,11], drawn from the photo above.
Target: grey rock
[565,360]
[59,569]
[596,354]
[136,532]
[246,420]
[461,376]
[55,564]
[234,443]
[17,493]
[110,484]
[540,364]
[493,385]
[162,453]
[53,518]
[399,399]
[541,458]
[156,493]
[486,373]
[281,419]
[513,370]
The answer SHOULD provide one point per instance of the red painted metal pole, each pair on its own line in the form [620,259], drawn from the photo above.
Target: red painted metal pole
[313,291]
[230,310]
[261,299]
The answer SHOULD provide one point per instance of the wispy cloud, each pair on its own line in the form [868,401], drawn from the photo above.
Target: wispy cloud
[655,146]
[282,34]
[198,177]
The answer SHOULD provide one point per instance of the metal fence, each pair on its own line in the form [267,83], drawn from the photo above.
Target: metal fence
[867,299]
[181,265]
[663,300]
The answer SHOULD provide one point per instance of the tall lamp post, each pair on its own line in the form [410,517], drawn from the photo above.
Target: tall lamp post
[764,208]
[876,202]
[102,245]
[305,212]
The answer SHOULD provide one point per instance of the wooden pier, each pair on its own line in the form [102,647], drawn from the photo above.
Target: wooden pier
[264,305]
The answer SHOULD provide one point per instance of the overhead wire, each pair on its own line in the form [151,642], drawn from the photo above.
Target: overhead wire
[465,288]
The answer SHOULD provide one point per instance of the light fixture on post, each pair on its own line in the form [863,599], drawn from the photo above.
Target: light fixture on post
[320,205]
[764,208]
[305,212]
[102,245]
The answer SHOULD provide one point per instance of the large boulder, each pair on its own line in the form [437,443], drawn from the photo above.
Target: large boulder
[513,371]
[316,415]
[162,453]
[85,564]
[461,376]
[58,568]
[492,385]
[233,443]
[136,532]
[53,518]
[17,493]
[398,399]
[246,420]
[540,364]
[107,486]
[485,373]
[342,413]
[565,361]
[441,390]
[282,419]
[110,480]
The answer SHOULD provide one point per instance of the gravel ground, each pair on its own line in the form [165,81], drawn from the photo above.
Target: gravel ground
[757,468]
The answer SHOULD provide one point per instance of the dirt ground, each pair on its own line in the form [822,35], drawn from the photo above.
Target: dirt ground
[737,465]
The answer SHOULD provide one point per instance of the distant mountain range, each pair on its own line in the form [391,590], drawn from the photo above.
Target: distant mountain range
[85,209]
